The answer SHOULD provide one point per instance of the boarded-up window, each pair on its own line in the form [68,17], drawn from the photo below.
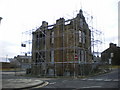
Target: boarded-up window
[83,38]
[82,55]
[52,38]
[81,23]
[52,56]
[80,36]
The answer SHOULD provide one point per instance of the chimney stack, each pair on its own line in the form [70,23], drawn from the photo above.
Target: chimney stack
[0,19]
[112,45]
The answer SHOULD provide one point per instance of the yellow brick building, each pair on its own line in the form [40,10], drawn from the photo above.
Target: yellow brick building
[61,47]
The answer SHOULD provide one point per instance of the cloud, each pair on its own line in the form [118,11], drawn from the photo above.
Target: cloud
[24,15]
[8,48]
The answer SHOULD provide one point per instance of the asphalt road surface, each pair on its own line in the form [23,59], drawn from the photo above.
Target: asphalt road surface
[108,80]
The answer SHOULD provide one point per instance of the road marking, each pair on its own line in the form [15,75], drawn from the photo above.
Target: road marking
[45,84]
[83,79]
[108,80]
[92,87]
[90,79]
[52,83]
[116,80]
[85,87]
[37,80]
[98,79]
[95,86]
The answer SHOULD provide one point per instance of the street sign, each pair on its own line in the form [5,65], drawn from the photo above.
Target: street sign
[76,57]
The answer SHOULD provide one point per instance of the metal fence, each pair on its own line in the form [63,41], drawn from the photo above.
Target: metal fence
[63,69]
[22,69]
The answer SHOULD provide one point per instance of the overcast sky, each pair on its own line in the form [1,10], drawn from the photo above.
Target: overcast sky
[23,15]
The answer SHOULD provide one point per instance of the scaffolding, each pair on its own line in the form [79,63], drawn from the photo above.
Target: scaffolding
[26,42]
[64,48]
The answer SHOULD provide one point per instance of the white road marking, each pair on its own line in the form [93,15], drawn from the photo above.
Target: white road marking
[85,87]
[46,83]
[83,79]
[52,83]
[90,79]
[98,79]
[108,80]
[92,87]
[116,80]
[37,80]
[95,86]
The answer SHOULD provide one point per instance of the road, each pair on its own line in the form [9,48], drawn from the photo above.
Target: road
[108,80]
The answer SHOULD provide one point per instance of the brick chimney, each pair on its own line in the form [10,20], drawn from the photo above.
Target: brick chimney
[0,19]
[112,45]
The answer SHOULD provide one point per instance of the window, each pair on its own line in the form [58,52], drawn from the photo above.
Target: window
[85,56]
[80,39]
[82,55]
[83,37]
[52,38]
[52,56]
[81,23]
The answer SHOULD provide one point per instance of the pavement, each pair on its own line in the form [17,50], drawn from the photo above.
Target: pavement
[10,81]
[21,83]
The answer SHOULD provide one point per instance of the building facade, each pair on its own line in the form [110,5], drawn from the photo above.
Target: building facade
[61,47]
[111,55]
[23,60]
